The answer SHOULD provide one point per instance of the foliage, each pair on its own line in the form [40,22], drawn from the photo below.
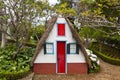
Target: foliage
[19,17]
[86,31]
[102,33]
[64,10]
[108,8]
[10,67]
[108,54]
[13,75]
[94,69]
[37,32]
[94,62]
[69,2]
[113,41]
[107,58]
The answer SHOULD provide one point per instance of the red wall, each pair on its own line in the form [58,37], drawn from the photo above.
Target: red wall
[50,68]
[77,68]
[44,68]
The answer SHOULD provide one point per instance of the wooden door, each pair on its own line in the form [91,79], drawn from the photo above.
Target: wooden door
[61,57]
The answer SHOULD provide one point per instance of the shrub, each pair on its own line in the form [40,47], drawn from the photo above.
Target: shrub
[13,69]
[13,75]
[95,67]
[107,58]
[105,49]
[94,70]
[94,61]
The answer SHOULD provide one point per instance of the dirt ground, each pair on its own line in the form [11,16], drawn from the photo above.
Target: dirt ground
[108,72]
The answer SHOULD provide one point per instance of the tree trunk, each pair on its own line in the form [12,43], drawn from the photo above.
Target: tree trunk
[3,42]
[118,21]
[86,42]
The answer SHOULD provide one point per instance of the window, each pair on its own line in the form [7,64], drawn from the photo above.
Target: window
[72,48]
[48,48]
[61,29]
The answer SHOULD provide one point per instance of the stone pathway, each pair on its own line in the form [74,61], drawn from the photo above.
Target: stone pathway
[108,72]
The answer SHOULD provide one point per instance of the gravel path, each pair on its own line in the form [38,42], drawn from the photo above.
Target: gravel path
[108,72]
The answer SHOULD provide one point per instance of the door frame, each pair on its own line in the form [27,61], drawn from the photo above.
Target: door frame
[65,58]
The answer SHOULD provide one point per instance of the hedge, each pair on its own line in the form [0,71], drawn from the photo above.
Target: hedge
[107,58]
[13,75]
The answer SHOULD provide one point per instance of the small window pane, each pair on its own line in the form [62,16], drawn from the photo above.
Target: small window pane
[49,48]
[72,48]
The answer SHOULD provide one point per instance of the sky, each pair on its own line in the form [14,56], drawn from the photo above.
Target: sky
[53,2]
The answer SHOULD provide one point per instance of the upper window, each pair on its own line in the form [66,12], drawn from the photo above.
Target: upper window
[61,29]
[48,48]
[72,48]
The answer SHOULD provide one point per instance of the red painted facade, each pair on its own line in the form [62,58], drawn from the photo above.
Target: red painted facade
[77,68]
[44,68]
[50,68]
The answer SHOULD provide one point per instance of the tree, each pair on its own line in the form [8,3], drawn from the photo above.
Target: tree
[69,2]
[64,10]
[19,17]
[3,22]
[109,8]
[87,32]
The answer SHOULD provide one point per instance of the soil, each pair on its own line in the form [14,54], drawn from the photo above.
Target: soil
[107,72]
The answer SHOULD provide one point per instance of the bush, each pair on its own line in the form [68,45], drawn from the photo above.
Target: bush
[107,58]
[13,75]
[13,69]
[108,54]
[95,67]
[94,70]
[106,50]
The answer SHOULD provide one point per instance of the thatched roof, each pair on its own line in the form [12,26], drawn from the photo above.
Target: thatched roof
[79,41]
[46,34]
[43,38]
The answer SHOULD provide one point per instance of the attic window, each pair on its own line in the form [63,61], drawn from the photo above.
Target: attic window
[72,48]
[61,29]
[48,48]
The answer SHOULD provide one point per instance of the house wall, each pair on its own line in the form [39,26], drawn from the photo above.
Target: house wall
[53,37]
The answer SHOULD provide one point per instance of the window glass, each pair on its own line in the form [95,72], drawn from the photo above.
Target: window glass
[72,48]
[49,48]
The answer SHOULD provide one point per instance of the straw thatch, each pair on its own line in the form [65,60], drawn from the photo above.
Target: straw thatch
[46,34]
[43,38]
[79,41]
